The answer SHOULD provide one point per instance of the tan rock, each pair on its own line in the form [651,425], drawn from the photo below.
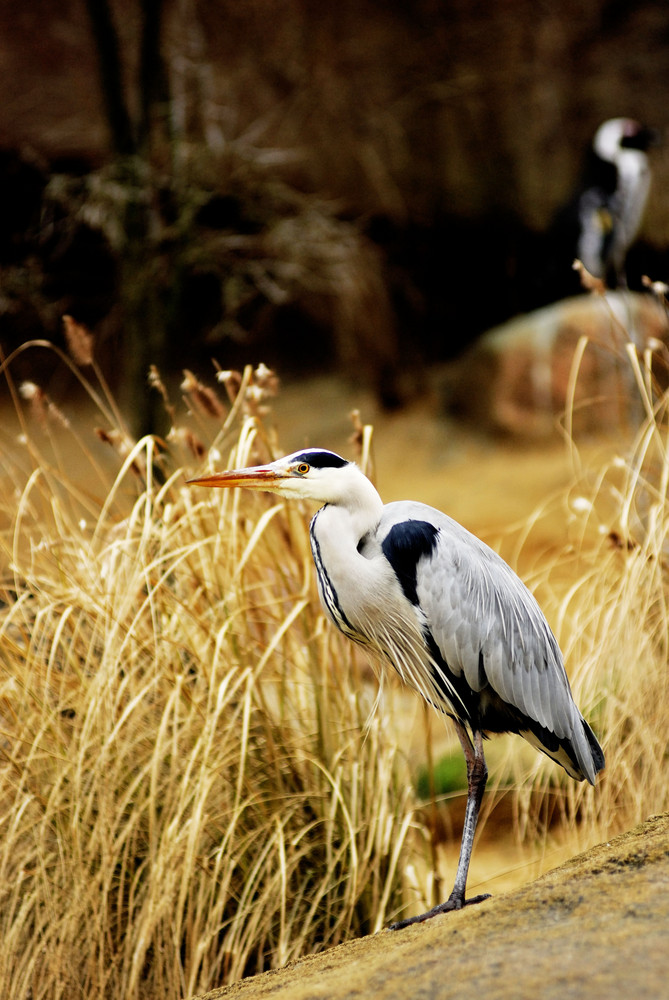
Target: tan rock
[520,378]
[595,927]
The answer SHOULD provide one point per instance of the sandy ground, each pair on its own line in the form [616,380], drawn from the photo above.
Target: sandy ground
[596,927]
[421,454]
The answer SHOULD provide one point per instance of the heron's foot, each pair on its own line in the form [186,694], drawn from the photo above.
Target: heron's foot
[452,903]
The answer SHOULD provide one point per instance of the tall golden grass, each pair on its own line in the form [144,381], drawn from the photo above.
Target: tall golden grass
[193,785]
[605,590]
[189,790]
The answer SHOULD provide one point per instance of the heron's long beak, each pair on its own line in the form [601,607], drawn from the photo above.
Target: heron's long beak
[259,477]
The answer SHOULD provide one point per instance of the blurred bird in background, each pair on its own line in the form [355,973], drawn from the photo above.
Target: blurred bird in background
[611,206]
[602,221]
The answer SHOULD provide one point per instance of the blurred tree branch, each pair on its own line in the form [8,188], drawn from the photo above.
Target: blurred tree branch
[111,76]
[144,313]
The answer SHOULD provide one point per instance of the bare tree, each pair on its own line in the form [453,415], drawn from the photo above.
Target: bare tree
[135,143]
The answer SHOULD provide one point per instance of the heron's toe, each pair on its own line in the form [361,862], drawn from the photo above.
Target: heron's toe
[453,902]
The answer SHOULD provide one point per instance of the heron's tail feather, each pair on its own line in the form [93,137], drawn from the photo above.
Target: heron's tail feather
[581,756]
[597,752]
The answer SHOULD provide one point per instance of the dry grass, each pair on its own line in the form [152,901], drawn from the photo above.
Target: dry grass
[189,791]
[191,787]
[605,590]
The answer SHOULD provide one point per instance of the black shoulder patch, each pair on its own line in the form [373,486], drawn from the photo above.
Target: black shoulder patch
[403,546]
[320,459]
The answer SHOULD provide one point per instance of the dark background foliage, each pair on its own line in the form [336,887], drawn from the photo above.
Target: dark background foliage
[364,185]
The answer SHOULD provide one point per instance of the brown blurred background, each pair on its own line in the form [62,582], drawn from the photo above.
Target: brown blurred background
[361,186]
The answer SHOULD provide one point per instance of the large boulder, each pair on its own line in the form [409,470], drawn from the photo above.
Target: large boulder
[521,377]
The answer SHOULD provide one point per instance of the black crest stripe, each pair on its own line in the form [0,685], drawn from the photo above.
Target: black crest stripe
[320,459]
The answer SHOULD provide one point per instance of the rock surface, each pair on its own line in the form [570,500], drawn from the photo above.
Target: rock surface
[595,927]
[517,378]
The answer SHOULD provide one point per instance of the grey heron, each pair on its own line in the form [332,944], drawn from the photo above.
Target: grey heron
[611,204]
[459,626]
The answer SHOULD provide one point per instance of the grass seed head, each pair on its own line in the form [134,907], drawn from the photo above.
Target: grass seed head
[79,341]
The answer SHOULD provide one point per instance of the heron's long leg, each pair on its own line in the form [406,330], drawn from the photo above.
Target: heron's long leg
[477,775]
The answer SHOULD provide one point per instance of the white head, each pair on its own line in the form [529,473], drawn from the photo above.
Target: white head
[311,474]
[615,137]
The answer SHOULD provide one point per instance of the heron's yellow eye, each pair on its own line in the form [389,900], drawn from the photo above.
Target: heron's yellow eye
[302,468]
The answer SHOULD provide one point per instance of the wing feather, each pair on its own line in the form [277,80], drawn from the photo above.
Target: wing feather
[493,637]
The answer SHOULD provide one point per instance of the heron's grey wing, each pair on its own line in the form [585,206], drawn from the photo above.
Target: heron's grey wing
[493,640]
